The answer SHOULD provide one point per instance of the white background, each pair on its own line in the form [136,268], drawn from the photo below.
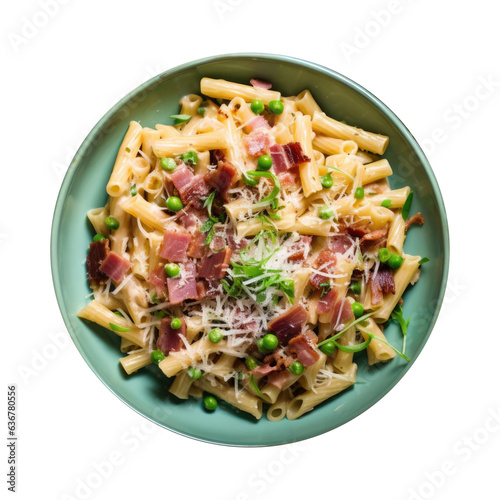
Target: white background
[428,61]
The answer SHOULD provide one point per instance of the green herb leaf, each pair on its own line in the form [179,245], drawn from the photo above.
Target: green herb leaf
[117,328]
[254,385]
[397,315]
[406,207]
[180,118]
[339,334]
[325,288]
[423,260]
[354,348]
[254,174]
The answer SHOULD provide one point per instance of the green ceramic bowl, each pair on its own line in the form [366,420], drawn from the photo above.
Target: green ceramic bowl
[84,188]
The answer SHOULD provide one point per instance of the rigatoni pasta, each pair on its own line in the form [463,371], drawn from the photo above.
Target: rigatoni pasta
[251,249]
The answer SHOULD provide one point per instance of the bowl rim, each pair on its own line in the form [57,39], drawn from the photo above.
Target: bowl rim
[89,140]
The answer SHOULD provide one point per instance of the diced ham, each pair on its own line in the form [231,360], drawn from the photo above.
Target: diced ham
[258,83]
[342,311]
[374,235]
[325,263]
[382,284]
[224,178]
[256,123]
[289,178]
[279,378]
[98,251]
[181,176]
[288,156]
[201,289]
[298,251]
[303,348]
[216,155]
[218,243]
[175,245]
[256,143]
[295,155]
[414,219]
[264,369]
[189,221]
[196,248]
[115,266]
[158,279]
[357,231]
[341,243]
[288,324]
[214,266]
[169,339]
[183,287]
[234,243]
[374,240]
[194,192]
[327,302]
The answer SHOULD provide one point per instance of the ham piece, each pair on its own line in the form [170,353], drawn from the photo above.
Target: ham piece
[169,339]
[158,278]
[192,188]
[288,156]
[258,83]
[303,348]
[382,284]
[175,245]
[288,324]
[256,143]
[98,251]
[115,266]
[183,287]
[214,266]
[224,178]
[325,263]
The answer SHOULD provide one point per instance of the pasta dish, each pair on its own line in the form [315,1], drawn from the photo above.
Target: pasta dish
[250,249]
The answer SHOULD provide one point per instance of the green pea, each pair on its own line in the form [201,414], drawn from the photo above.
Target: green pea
[325,212]
[174,203]
[210,403]
[357,309]
[133,190]
[356,287]
[261,296]
[297,368]
[264,162]
[256,106]
[250,181]
[215,335]
[386,203]
[384,254]
[251,363]
[190,157]
[176,323]
[111,222]
[359,194]
[260,346]
[201,111]
[154,298]
[99,237]
[172,270]
[194,373]
[157,356]
[395,261]
[328,347]
[276,107]
[326,181]
[270,341]
[168,164]
[118,313]
[159,314]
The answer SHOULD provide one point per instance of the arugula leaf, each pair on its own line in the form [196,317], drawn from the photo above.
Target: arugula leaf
[117,328]
[180,118]
[254,385]
[423,260]
[406,207]
[325,288]
[397,315]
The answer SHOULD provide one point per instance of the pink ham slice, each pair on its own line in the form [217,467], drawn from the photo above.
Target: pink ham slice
[175,245]
[341,243]
[214,266]
[158,279]
[224,178]
[374,240]
[382,284]
[184,287]
[169,339]
[115,266]
[288,156]
[181,176]
[288,324]
[298,251]
[258,83]
[256,123]
[98,251]
[256,143]
[325,262]
[196,248]
[191,187]
[342,312]
[279,378]
[264,369]
[303,348]
[327,302]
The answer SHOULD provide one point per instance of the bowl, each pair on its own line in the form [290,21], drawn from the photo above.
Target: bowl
[83,188]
